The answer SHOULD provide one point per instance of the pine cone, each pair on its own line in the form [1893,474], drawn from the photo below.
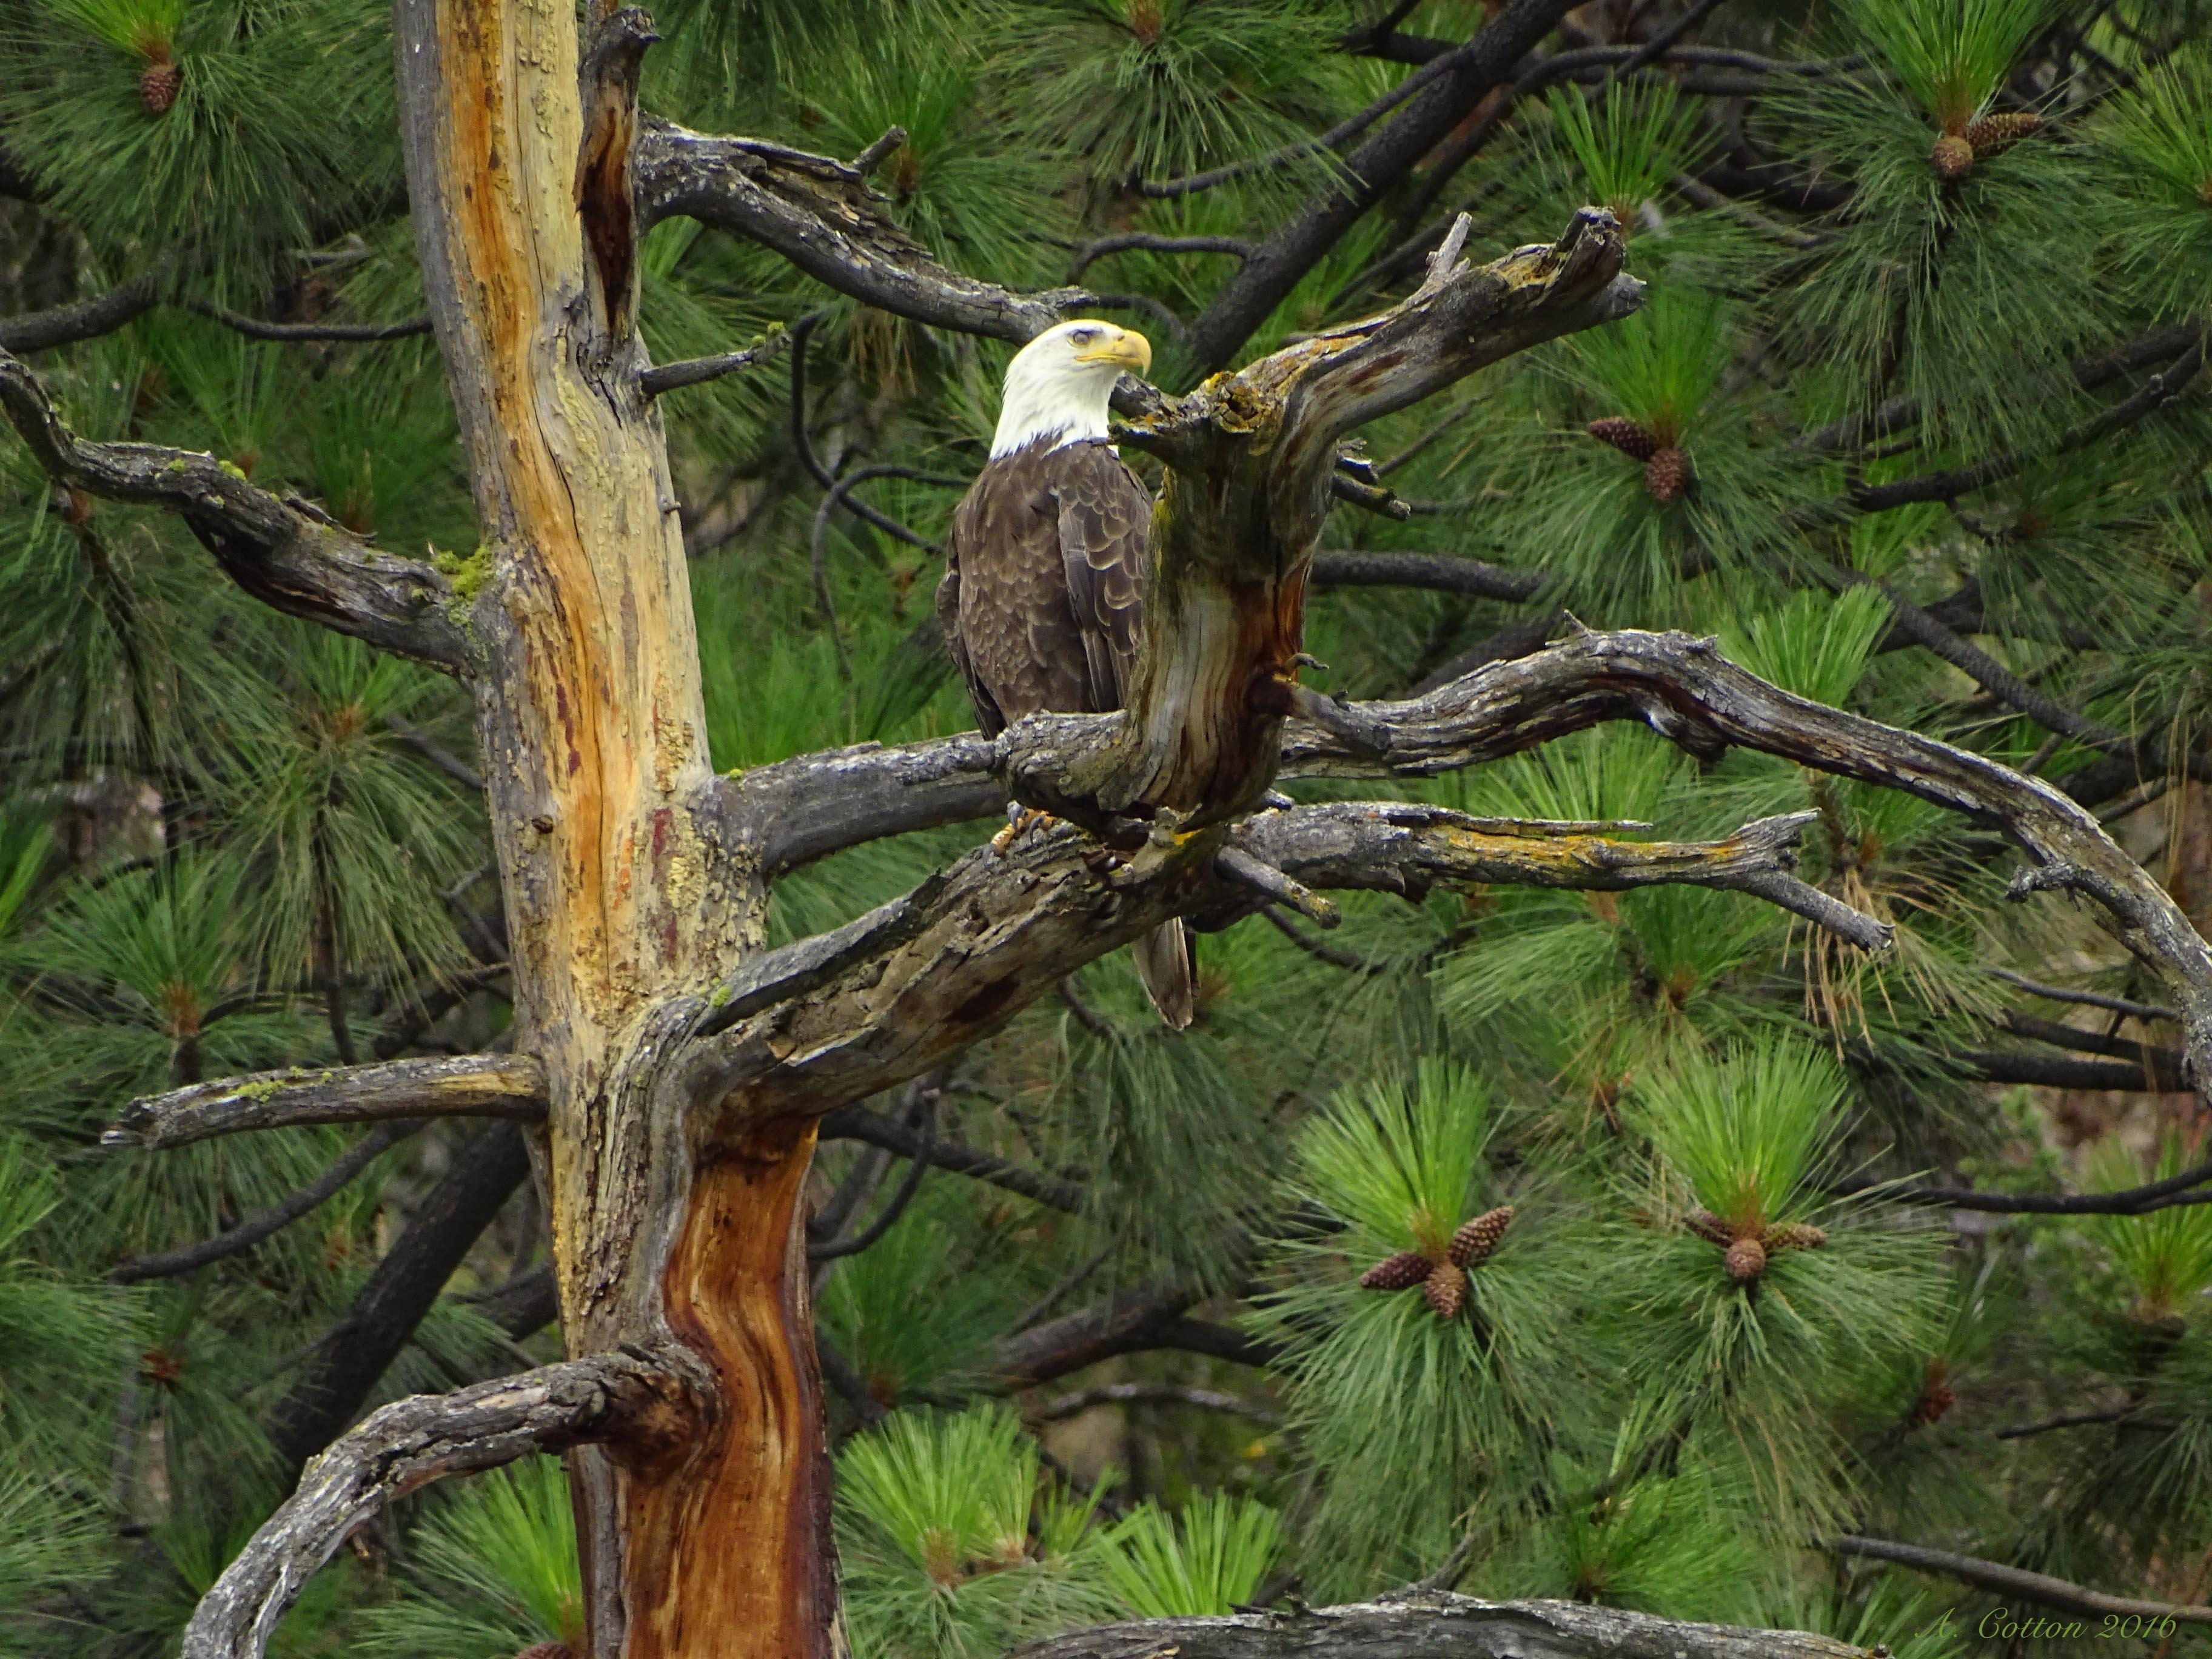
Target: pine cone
[547,1651]
[1993,133]
[1794,1236]
[1709,1227]
[1935,1397]
[1746,1260]
[1446,1289]
[1667,474]
[1407,1267]
[1476,1239]
[158,86]
[1953,158]
[1625,435]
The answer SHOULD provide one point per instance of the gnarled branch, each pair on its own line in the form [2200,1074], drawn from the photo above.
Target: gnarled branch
[1436,1625]
[921,978]
[409,1443]
[300,562]
[465,1085]
[820,215]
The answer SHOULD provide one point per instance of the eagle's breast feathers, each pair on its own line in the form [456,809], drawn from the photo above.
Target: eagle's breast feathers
[1043,581]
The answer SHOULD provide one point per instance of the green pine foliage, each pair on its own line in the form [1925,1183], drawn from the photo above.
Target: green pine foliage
[231,841]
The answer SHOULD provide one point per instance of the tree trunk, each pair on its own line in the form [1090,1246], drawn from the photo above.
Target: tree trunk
[621,896]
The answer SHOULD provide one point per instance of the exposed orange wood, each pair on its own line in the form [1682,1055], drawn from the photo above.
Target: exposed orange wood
[732,1541]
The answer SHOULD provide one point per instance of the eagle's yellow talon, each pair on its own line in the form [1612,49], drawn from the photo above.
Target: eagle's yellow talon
[1019,825]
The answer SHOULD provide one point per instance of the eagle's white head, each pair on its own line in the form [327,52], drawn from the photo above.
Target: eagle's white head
[1058,385]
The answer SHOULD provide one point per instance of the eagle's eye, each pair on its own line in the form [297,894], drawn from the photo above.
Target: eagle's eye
[1084,336]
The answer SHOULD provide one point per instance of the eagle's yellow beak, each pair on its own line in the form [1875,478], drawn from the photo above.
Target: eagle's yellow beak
[1124,346]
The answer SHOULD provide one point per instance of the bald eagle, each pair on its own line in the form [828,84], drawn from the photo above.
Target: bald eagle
[1044,570]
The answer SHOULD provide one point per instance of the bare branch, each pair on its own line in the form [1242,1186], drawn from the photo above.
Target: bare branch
[2132,1200]
[874,1129]
[296,560]
[1684,690]
[441,1229]
[2158,1064]
[1462,77]
[820,215]
[1436,1627]
[1144,1320]
[1140,242]
[274,1219]
[830,1249]
[2034,1587]
[2049,1070]
[2121,1413]
[255,328]
[1409,849]
[1445,572]
[913,983]
[2091,999]
[82,320]
[694,370]
[406,1446]
[467,1085]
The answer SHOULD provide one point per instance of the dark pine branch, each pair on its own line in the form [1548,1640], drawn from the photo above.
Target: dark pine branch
[168,1264]
[354,1354]
[2038,1587]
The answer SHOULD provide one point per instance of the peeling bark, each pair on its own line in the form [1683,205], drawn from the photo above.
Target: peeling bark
[620,893]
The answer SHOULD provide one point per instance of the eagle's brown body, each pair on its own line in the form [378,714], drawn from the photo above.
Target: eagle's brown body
[1040,605]
[1042,582]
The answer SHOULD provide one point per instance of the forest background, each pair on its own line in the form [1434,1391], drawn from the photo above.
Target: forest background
[1914,421]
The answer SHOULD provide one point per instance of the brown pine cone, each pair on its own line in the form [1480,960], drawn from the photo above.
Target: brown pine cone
[1935,1397]
[547,1651]
[1709,1227]
[1667,474]
[1407,1267]
[1953,158]
[1794,1236]
[1476,1239]
[1446,1289]
[1746,1260]
[1625,435]
[1993,133]
[158,86]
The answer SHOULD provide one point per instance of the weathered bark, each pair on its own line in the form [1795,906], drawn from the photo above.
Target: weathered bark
[408,1444]
[1436,1627]
[1250,457]
[619,893]
[464,1085]
[285,553]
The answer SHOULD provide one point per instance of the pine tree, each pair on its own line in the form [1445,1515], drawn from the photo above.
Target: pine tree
[1695,1165]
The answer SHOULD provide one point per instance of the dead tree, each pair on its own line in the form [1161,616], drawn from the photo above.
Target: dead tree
[676,1069]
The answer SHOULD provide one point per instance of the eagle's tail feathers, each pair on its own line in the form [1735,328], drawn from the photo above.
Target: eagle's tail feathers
[1164,963]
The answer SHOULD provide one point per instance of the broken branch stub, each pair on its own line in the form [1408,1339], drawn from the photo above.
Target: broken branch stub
[1249,460]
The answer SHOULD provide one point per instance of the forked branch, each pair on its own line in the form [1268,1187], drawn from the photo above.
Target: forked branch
[407,1445]
[1437,1626]
[280,552]
[464,1085]
[927,976]
[1679,686]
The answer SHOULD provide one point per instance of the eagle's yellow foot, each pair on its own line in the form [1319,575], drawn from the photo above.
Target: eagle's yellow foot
[1020,822]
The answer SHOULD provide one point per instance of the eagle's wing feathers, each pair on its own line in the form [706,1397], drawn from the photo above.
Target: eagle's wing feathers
[956,645]
[1105,515]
